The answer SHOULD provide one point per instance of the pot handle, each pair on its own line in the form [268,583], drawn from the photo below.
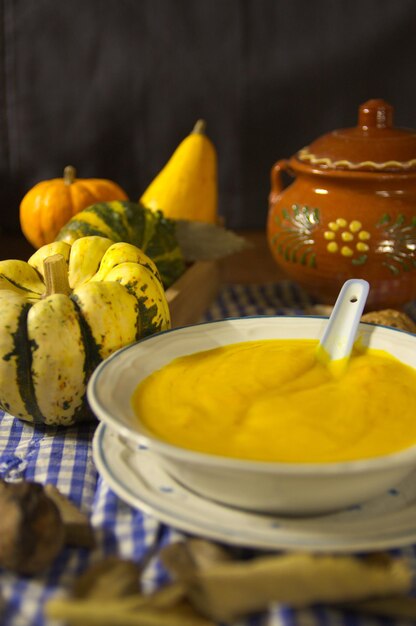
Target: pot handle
[275,176]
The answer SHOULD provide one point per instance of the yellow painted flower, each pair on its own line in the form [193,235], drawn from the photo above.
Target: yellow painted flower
[351,238]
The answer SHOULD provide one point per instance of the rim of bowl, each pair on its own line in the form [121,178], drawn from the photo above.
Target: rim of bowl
[396,459]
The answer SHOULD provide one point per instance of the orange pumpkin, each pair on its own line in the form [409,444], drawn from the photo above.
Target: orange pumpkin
[50,204]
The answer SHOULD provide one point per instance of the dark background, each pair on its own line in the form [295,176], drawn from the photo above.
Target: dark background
[112,86]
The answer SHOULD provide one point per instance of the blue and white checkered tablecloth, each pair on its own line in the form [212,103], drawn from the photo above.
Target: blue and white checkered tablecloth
[63,457]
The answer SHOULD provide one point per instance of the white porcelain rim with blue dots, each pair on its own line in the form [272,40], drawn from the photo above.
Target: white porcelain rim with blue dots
[135,475]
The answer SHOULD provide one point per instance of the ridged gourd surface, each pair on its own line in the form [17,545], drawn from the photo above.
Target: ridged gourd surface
[50,344]
[132,223]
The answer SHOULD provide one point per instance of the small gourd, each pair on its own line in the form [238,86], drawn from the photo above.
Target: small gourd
[64,311]
[187,187]
[133,223]
[49,205]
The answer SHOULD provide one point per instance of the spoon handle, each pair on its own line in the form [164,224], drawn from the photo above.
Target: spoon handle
[339,336]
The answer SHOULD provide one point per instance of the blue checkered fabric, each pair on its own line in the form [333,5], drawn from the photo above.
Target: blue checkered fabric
[63,457]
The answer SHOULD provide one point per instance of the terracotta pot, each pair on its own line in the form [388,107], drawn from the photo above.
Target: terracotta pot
[350,212]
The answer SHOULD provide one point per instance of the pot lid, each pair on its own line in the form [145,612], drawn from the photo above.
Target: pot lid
[373,145]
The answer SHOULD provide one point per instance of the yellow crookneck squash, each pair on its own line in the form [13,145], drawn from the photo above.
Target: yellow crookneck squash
[50,204]
[187,187]
[61,313]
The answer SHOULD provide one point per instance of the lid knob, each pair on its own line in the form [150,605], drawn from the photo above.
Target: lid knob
[375,113]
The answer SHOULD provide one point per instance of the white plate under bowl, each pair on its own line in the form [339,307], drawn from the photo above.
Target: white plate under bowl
[135,475]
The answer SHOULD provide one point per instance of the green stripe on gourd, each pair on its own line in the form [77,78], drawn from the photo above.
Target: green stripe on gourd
[146,318]
[140,282]
[22,352]
[132,223]
[92,351]
[77,228]
[114,219]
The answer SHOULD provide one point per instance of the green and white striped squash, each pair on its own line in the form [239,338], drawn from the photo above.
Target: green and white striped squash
[50,343]
[133,223]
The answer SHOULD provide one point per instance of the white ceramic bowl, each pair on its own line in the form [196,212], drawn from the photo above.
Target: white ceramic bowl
[285,488]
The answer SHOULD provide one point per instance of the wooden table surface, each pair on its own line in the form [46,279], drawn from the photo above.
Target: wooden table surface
[253,265]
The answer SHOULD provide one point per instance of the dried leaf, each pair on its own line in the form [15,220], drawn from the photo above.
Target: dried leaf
[185,558]
[107,579]
[200,241]
[230,589]
[134,610]
[78,530]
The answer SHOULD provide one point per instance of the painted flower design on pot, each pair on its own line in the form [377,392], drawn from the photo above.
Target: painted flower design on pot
[349,239]
[392,241]
[295,240]
[397,243]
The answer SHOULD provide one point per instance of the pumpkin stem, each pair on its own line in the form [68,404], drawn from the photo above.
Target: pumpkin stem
[200,127]
[69,174]
[56,275]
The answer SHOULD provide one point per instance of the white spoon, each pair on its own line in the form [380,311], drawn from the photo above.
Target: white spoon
[337,342]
